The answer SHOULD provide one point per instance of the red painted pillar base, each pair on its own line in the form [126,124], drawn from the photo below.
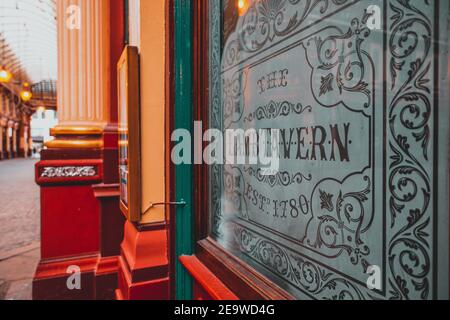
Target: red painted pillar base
[98,278]
[111,235]
[51,277]
[106,278]
[69,226]
[143,264]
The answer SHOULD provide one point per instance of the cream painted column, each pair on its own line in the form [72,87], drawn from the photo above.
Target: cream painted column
[83,73]
[151,37]
[22,144]
[1,139]
[8,140]
[1,120]
[9,106]
[14,141]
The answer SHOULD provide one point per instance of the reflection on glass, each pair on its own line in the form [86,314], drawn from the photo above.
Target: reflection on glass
[123,138]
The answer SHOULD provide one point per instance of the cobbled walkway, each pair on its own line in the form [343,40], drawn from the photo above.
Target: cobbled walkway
[19,228]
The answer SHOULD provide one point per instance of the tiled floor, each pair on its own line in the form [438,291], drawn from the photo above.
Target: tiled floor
[19,228]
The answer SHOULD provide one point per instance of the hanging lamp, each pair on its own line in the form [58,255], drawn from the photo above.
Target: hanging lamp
[5,75]
[25,93]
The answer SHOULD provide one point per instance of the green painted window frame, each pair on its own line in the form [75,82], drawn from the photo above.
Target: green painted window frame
[183,118]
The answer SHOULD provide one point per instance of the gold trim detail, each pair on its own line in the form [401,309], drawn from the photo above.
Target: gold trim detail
[76,130]
[74,144]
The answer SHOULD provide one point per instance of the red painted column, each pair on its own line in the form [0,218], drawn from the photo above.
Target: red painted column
[81,221]
[108,193]
[111,220]
[69,223]
[82,225]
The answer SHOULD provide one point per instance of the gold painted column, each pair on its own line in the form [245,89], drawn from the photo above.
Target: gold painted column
[83,73]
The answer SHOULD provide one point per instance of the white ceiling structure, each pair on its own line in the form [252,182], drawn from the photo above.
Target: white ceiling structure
[28,46]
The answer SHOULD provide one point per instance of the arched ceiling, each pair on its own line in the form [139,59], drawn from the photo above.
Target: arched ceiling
[28,38]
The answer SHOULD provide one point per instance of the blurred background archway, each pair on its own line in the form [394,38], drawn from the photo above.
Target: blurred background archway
[28,75]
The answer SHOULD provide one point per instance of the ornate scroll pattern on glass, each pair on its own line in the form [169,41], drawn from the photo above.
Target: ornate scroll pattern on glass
[340,66]
[282,178]
[269,21]
[274,110]
[410,137]
[304,274]
[343,217]
[216,115]
[235,202]
[233,102]
[340,218]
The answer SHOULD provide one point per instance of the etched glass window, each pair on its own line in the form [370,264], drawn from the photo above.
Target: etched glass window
[351,90]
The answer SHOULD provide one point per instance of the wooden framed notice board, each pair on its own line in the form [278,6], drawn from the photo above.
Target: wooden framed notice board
[129,133]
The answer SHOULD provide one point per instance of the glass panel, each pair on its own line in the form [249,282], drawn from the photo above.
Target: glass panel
[350,90]
[123,136]
[28,38]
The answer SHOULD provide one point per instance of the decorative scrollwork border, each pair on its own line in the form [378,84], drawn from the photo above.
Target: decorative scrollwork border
[68,172]
[269,21]
[410,131]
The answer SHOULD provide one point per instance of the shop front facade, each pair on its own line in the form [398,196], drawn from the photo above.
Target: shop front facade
[15,116]
[353,98]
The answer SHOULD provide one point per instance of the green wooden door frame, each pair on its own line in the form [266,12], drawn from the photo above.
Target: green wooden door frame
[183,118]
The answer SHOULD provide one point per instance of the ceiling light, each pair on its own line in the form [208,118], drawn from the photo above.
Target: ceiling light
[5,76]
[26,94]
